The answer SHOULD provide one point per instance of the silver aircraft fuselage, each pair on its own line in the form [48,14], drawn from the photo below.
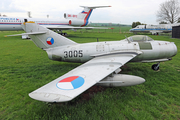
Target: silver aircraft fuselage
[151,51]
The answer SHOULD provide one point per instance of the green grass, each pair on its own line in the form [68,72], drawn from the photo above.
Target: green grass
[24,68]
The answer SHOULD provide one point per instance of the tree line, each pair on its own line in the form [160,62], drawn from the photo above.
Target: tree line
[168,13]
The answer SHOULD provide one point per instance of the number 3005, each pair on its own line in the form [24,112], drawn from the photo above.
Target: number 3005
[74,53]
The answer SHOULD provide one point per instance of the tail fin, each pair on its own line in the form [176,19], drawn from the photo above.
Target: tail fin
[84,15]
[45,38]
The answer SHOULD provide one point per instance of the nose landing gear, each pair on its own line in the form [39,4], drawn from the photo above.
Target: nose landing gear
[155,67]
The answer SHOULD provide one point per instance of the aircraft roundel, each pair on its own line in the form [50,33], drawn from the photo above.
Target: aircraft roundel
[50,41]
[70,83]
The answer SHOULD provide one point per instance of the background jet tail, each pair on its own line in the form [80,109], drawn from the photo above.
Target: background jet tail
[84,15]
[45,38]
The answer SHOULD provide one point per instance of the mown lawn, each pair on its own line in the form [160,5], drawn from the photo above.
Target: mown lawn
[24,68]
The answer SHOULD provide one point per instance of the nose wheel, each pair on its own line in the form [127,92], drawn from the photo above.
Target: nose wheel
[155,67]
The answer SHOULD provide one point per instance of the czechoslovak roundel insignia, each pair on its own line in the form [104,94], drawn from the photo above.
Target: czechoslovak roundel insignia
[49,40]
[70,83]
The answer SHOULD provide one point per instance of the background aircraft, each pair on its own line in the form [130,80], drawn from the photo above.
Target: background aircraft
[102,61]
[71,22]
[154,29]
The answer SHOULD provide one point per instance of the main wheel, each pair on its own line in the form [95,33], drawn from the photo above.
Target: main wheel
[155,67]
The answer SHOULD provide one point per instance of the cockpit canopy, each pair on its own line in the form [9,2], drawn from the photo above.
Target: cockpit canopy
[139,38]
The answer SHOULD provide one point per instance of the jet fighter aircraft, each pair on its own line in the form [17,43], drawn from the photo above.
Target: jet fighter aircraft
[102,61]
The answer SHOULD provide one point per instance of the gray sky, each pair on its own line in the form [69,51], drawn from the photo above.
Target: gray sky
[122,11]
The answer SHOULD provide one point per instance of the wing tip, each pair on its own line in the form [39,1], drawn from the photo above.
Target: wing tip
[49,97]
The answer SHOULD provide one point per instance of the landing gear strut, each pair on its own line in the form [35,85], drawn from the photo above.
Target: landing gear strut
[61,33]
[155,66]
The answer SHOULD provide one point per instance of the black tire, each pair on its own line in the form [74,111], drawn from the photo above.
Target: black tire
[154,67]
[65,34]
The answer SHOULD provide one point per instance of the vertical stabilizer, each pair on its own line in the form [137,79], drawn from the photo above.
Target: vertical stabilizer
[45,38]
[84,15]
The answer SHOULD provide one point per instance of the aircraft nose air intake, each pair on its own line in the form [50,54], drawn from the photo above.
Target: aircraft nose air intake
[167,49]
[175,48]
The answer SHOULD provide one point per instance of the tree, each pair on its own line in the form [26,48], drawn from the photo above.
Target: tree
[169,11]
[178,20]
[134,24]
[162,22]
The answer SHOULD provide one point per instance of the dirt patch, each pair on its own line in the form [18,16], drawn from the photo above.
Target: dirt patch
[84,97]
[88,94]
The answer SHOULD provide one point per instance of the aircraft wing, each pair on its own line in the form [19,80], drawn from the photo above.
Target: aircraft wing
[72,27]
[78,80]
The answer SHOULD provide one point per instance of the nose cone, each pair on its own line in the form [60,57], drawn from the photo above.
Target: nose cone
[175,49]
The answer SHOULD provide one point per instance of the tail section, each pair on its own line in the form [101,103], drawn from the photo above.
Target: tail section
[84,15]
[45,38]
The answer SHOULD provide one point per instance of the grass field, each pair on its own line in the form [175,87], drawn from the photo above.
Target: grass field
[24,68]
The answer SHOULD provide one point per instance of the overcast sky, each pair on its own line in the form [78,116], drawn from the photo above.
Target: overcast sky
[121,11]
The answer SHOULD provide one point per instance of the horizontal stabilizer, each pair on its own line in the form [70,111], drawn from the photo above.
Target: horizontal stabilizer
[94,7]
[32,33]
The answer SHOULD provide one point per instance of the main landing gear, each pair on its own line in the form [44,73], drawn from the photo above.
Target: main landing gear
[155,66]
[60,32]
[64,34]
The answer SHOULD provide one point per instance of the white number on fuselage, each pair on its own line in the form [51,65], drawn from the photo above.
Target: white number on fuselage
[75,53]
